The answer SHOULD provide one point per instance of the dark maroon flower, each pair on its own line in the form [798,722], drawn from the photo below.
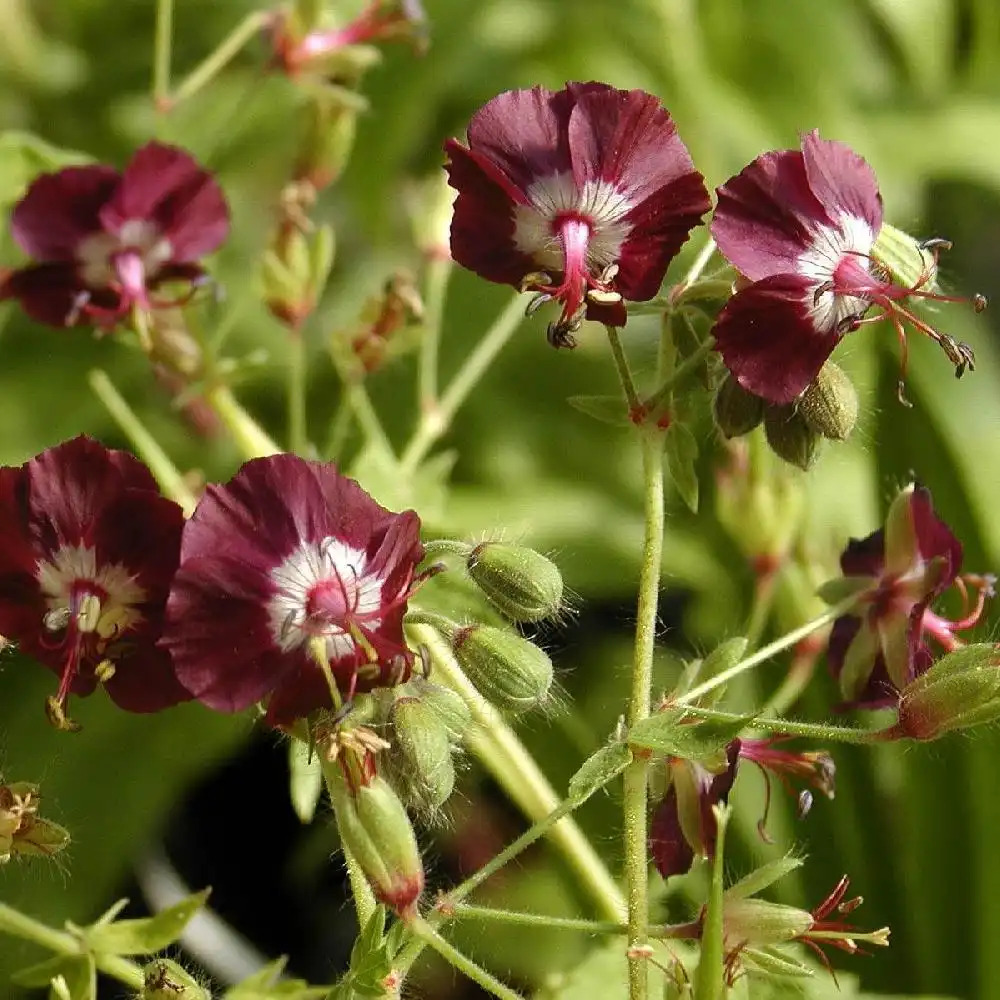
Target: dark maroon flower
[86,557]
[103,240]
[880,646]
[583,195]
[292,586]
[800,227]
[684,826]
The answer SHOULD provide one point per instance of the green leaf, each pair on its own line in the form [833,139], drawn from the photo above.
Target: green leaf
[725,656]
[147,934]
[607,409]
[672,732]
[760,878]
[305,779]
[267,984]
[598,769]
[23,157]
[681,451]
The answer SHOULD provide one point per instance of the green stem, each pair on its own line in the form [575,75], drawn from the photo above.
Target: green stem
[167,475]
[423,930]
[340,425]
[681,372]
[434,423]
[439,271]
[635,407]
[297,435]
[760,610]
[505,757]
[814,730]
[694,271]
[766,652]
[252,440]
[708,979]
[368,419]
[226,51]
[467,911]
[161,51]
[27,928]
[636,792]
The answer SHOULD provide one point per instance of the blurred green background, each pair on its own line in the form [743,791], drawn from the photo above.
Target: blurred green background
[913,85]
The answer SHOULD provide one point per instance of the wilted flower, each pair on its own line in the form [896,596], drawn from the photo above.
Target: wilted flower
[880,646]
[89,548]
[104,240]
[292,586]
[684,824]
[800,227]
[583,195]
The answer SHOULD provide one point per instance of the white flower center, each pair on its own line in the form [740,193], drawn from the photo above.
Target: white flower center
[819,263]
[96,254]
[599,204]
[103,598]
[321,589]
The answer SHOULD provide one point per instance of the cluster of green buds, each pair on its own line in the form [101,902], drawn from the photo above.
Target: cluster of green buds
[828,408]
[23,833]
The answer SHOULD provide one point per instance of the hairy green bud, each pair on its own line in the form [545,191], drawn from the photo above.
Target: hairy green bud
[509,670]
[448,705]
[737,412]
[521,583]
[423,754]
[829,404]
[790,437]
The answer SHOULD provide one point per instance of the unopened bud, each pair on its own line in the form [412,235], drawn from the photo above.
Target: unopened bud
[294,271]
[513,673]
[790,437]
[329,139]
[164,979]
[430,203]
[758,923]
[374,827]
[422,755]
[737,412]
[906,259]
[829,404]
[22,831]
[449,706]
[961,690]
[519,582]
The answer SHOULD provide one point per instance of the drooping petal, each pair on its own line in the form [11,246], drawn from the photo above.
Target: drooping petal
[767,340]
[841,180]
[165,185]
[864,556]
[60,210]
[766,215]
[671,853]
[49,293]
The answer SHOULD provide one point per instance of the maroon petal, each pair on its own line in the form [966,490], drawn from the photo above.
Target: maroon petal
[934,537]
[165,185]
[482,226]
[767,215]
[864,556]
[768,341]
[524,134]
[671,853]
[60,210]
[48,293]
[842,180]
[144,680]
[300,692]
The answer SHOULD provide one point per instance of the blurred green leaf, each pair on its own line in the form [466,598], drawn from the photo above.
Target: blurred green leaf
[145,935]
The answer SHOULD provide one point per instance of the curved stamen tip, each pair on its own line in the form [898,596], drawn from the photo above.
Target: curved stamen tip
[901,394]
[979,302]
[935,244]
[804,804]
[55,711]
[536,303]
[560,333]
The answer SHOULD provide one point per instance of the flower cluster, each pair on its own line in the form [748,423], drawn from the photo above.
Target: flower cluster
[288,584]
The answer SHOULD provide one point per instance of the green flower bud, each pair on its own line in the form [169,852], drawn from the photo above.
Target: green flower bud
[758,923]
[329,138]
[374,827]
[520,582]
[737,412]
[790,437]
[829,404]
[960,691]
[164,979]
[22,830]
[422,755]
[448,705]
[512,672]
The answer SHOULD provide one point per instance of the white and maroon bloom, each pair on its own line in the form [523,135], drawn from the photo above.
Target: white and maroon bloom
[882,645]
[87,553]
[800,227]
[102,240]
[292,586]
[583,195]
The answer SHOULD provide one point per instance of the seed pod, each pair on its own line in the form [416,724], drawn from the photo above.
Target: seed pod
[521,583]
[737,412]
[829,404]
[374,827]
[422,755]
[512,672]
[790,437]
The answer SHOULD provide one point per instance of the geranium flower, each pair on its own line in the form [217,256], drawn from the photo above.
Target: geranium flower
[800,227]
[104,240]
[684,826]
[86,556]
[292,586]
[896,573]
[583,195]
